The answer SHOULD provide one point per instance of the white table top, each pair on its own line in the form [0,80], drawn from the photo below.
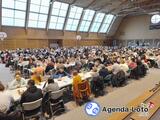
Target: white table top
[62,82]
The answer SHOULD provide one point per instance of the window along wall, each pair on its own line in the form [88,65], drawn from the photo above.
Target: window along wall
[73,18]
[38,13]
[107,23]
[14,13]
[86,20]
[58,16]
[97,22]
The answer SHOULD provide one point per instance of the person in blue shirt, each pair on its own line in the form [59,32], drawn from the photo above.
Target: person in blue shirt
[60,73]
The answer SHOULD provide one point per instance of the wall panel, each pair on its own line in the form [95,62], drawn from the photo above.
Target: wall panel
[136,27]
[38,38]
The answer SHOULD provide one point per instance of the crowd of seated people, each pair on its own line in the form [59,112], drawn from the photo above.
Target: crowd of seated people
[108,66]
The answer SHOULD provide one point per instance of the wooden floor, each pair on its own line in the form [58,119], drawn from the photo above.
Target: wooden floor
[152,95]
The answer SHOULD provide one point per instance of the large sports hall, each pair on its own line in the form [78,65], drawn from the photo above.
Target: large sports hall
[79,59]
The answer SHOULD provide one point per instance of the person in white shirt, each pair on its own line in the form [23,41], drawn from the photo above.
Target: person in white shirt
[18,82]
[6,101]
[125,68]
[116,68]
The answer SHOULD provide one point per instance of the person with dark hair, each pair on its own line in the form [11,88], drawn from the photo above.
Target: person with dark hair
[32,93]
[103,72]
[52,86]
[6,101]
[132,65]
[60,73]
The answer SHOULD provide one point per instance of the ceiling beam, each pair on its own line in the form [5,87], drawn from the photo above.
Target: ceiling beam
[27,13]
[102,23]
[49,14]
[80,20]
[139,6]
[74,1]
[0,15]
[91,3]
[104,6]
[138,10]
[119,6]
[67,16]
[92,21]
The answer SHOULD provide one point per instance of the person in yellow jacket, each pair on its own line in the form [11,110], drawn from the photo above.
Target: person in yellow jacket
[77,80]
[36,77]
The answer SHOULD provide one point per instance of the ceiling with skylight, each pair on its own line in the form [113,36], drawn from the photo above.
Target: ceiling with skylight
[56,15]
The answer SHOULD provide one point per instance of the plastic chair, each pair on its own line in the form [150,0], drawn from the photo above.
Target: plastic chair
[30,106]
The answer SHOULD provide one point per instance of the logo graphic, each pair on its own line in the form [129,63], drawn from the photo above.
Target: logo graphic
[145,108]
[92,108]
[151,105]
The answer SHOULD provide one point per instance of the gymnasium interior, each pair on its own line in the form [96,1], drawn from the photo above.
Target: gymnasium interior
[80,59]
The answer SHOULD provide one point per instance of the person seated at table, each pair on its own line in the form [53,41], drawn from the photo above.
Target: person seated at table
[50,66]
[18,82]
[60,73]
[39,69]
[109,66]
[105,75]
[103,72]
[31,94]
[7,100]
[52,86]
[97,86]
[78,66]
[116,68]
[132,65]
[18,73]
[133,68]
[94,72]
[36,77]
[97,63]
[76,80]
[125,68]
